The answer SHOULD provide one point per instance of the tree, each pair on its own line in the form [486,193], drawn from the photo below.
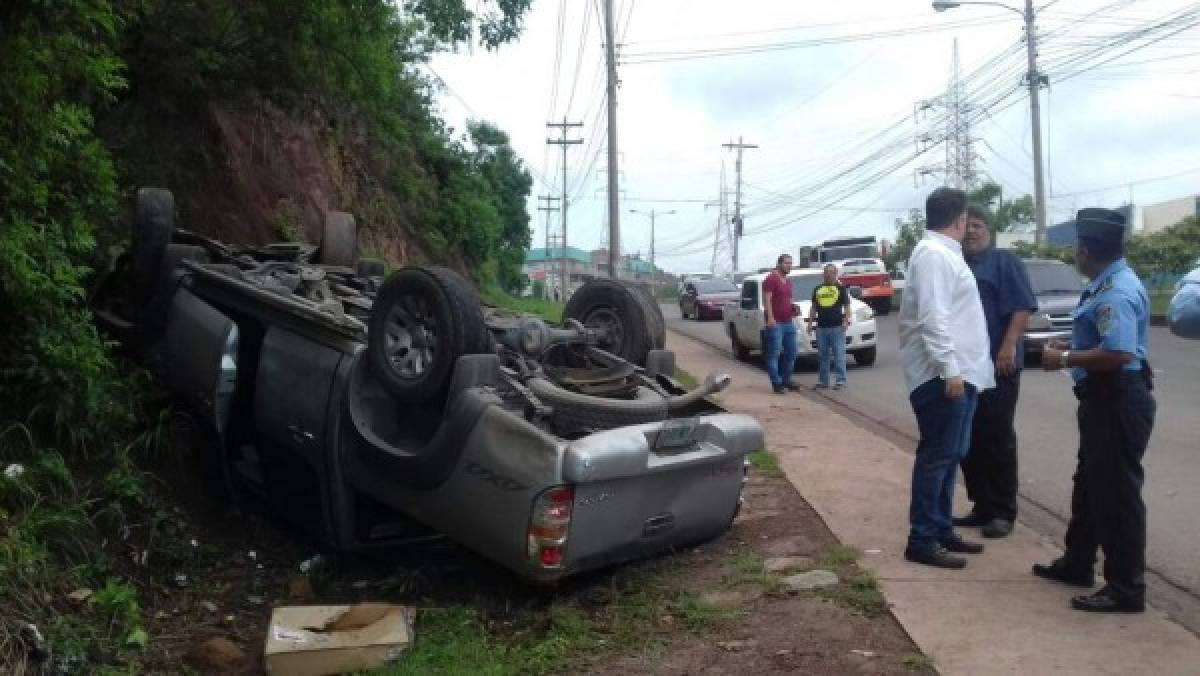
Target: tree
[1002,215]
[908,233]
[510,184]
[1170,251]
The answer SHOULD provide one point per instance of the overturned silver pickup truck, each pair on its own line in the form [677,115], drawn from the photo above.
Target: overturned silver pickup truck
[361,406]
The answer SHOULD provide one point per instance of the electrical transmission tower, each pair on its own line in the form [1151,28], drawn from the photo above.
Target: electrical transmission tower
[958,170]
[724,238]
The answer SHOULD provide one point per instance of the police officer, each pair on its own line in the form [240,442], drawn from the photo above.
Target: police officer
[1107,358]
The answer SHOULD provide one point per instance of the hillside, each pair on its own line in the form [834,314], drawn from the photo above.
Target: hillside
[259,116]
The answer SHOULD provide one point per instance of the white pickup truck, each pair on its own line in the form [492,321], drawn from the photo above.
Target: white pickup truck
[744,319]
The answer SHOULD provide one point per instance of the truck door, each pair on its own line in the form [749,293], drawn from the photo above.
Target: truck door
[750,316]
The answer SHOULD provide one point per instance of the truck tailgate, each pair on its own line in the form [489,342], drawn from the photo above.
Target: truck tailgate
[637,493]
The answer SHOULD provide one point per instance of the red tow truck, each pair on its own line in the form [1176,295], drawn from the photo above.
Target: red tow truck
[860,263]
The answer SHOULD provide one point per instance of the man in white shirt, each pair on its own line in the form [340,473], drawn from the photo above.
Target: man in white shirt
[946,355]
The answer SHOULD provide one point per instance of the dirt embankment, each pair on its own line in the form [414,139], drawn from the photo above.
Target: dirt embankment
[249,172]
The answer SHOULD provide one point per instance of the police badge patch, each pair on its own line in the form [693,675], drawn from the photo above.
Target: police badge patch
[1104,319]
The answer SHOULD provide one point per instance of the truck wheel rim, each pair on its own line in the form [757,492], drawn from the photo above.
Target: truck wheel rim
[411,338]
[605,318]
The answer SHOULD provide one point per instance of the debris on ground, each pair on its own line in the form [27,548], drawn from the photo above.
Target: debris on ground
[813,579]
[786,564]
[317,640]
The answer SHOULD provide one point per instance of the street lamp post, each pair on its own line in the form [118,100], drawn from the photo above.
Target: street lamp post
[652,214]
[1034,81]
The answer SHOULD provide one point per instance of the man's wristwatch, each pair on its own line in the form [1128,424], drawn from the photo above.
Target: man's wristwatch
[1064,358]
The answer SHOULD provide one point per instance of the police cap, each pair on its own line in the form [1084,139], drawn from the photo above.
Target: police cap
[1104,225]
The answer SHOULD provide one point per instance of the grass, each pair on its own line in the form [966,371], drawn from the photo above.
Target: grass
[747,569]
[546,309]
[1159,301]
[766,463]
[918,663]
[687,380]
[859,593]
[840,555]
[549,639]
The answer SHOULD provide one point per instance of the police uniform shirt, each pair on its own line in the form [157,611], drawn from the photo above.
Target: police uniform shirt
[1113,313]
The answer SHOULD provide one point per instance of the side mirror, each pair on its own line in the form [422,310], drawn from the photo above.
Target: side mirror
[856,292]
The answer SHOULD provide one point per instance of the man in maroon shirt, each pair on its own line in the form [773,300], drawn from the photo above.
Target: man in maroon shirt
[779,336]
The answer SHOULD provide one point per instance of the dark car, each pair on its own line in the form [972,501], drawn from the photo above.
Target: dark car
[703,299]
[371,410]
[1057,287]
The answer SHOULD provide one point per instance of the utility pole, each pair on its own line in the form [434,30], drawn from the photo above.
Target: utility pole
[614,211]
[653,213]
[564,142]
[1035,115]
[737,197]
[549,201]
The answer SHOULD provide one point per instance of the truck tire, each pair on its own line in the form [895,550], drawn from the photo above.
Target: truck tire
[611,304]
[153,221]
[574,410]
[422,321]
[656,316]
[865,357]
[740,352]
[339,240]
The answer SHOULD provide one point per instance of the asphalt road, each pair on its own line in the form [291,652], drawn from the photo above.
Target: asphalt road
[1048,440]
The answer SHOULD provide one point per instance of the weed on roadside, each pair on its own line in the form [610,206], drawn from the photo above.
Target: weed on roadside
[919,664]
[840,555]
[686,379]
[859,593]
[766,463]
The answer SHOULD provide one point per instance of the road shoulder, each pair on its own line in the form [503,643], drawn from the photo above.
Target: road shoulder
[993,617]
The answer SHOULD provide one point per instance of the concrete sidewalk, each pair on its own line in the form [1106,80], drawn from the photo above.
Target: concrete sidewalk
[994,617]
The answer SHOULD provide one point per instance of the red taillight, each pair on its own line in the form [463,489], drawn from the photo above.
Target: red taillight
[549,524]
[551,557]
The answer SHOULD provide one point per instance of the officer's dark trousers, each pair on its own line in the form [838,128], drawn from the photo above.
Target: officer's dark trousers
[990,468]
[1116,415]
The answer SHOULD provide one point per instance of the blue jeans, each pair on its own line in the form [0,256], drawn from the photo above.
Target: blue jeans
[832,339]
[945,427]
[779,351]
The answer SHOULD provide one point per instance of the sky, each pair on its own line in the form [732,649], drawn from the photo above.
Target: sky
[836,97]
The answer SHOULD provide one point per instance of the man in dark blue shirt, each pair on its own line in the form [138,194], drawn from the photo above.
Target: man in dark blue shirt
[990,468]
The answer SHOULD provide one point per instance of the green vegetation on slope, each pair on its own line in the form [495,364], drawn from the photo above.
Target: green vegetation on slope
[92,93]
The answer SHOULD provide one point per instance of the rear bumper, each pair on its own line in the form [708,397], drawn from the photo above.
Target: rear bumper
[879,292]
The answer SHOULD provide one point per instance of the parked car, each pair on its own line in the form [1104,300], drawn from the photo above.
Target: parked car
[1057,287]
[703,299]
[368,410]
[872,277]
[745,319]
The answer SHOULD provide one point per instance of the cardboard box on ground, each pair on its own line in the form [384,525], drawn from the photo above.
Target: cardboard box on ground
[318,640]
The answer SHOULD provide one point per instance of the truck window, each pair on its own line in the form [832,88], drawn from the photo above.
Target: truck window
[750,295]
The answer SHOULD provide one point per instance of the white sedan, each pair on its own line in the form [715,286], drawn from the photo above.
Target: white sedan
[745,318]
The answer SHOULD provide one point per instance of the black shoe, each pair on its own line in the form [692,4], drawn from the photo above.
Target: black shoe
[1104,601]
[791,387]
[956,544]
[972,520]
[1059,572]
[997,528]
[820,386]
[937,556]
[778,389]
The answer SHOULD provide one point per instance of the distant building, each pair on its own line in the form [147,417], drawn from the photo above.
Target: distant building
[581,265]
[1158,217]
[1063,234]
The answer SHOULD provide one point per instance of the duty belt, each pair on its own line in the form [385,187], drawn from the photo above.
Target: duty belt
[1104,384]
